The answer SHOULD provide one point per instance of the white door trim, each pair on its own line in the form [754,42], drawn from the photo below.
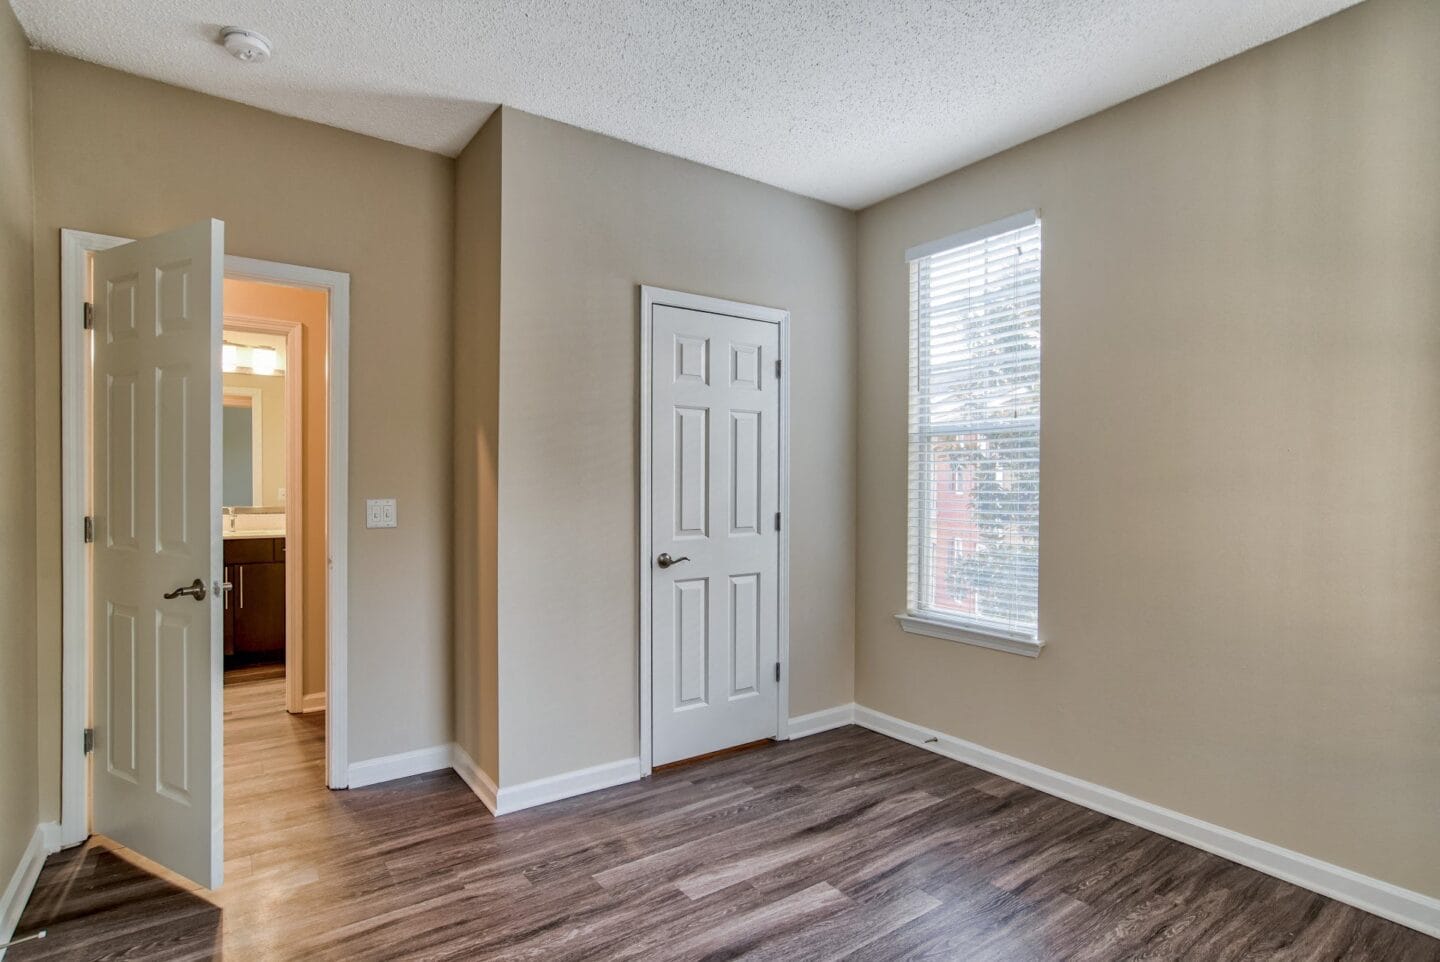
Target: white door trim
[650,297]
[293,332]
[75,245]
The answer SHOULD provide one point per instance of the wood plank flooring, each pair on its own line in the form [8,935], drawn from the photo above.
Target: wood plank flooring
[845,845]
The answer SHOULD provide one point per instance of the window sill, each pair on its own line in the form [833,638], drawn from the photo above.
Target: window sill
[933,628]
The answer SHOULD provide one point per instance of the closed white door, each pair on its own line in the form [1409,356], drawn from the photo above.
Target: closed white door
[157,552]
[715,421]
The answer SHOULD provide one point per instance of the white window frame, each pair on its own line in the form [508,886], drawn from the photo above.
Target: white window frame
[929,622]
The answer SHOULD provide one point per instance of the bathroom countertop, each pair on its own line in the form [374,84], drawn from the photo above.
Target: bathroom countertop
[241,535]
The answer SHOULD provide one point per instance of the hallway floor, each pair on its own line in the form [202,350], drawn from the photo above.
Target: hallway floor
[843,845]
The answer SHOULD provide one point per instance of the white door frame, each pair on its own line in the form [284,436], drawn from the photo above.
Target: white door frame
[293,332]
[75,246]
[651,297]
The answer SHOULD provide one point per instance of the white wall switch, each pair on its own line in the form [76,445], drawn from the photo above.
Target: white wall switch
[380,513]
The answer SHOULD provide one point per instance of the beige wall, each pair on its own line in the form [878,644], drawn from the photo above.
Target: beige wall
[585,221]
[122,155]
[1240,525]
[1240,519]
[18,729]
[477,444]
[272,433]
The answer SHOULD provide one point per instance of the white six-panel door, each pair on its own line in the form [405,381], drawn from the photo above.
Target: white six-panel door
[156,507]
[715,424]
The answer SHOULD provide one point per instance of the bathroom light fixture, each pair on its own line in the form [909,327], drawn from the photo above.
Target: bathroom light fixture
[263,360]
[250,359]
[244,45]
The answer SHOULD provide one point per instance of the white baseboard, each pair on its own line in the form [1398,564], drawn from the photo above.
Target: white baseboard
[822,721]
[1412,909]
[315,701]
[500,801]
[373,771]
[46,839]
[472,775]
[514,798]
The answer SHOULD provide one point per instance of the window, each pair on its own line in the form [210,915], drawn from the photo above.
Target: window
[975,414]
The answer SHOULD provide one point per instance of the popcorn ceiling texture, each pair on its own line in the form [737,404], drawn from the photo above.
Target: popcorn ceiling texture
[848,101]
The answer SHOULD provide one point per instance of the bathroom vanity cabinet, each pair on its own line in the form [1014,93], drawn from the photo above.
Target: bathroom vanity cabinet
[255,609]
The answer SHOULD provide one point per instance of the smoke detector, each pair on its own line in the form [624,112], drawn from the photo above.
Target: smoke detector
[245,45]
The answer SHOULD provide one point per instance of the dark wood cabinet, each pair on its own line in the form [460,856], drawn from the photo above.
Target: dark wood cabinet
[255,610]
[229,617]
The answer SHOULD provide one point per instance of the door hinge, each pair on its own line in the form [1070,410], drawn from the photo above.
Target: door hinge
[777,671]
[89,529]
[89,740]
[777,367]
[89,316]
[777,520]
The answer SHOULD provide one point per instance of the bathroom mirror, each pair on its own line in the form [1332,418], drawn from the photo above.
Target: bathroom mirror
[238,485]
[253,442]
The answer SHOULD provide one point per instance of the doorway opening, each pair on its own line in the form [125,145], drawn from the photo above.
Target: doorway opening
[279,370]
[273,494]
[274,485]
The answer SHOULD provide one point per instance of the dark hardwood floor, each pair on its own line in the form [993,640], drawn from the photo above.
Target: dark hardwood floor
[845,845]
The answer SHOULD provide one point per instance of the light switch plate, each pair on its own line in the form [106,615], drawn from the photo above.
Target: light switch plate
[380,513]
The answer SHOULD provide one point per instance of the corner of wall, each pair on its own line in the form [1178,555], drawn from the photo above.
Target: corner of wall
[475,450]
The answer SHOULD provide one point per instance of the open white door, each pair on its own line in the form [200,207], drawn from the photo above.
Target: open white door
[715,427]
[157,766]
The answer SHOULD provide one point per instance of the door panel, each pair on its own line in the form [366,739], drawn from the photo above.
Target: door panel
[156,470]
[692,473]
[745,634]
[692,651]
[121,696]
[714,494]
[172,661]
[120,472]
[172,465]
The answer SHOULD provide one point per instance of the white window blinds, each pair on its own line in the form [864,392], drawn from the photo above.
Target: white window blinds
[974,493]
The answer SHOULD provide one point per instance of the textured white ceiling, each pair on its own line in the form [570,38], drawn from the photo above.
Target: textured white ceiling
[849,101]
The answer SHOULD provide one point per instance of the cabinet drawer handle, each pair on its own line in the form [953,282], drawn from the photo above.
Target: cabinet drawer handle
[241,569]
